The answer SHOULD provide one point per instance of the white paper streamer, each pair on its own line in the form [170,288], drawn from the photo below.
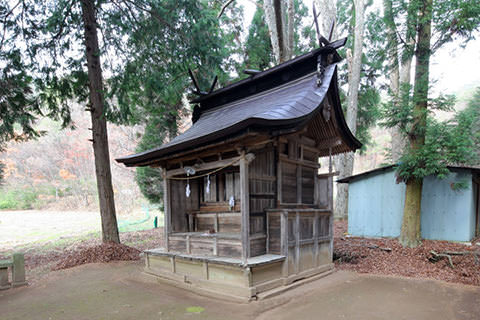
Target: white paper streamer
[187,190]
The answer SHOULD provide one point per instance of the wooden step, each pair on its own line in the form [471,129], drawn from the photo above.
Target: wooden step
[218,207]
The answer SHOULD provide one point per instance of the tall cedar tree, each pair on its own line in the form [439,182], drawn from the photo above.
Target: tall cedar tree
[99,124]
[55,52]
[158,71]
[362,100]
[431,145]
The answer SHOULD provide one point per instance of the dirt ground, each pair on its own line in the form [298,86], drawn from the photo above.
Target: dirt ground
[120,291]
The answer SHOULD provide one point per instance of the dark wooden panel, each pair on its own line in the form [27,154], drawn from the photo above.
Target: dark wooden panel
[229,222]
[323,226]
[177,245]
[262,181]
[202,247]
[310,155]
[308,185]
[258,247]
[257,224]
[289,182]
[274,233]
[306,227]
[291,228]
[322,192]
[229,249]
[205,223]
[178,201]
[211,196]
[219,207]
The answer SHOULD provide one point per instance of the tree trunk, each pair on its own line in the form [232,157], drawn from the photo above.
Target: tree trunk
[281,28]
[272,27]
[398,142]
[290,29]
[410,234]
[328,13]
[99,125]
[345,162]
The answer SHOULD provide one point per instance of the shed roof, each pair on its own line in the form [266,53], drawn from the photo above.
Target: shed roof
[285,105]
[383,169]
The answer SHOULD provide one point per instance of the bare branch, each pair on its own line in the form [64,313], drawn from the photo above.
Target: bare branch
[225,5]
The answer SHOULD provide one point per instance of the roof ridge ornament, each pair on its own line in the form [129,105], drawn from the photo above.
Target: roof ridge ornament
[197,90]
[322,41]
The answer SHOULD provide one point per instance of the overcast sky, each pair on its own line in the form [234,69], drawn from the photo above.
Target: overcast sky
[452,67]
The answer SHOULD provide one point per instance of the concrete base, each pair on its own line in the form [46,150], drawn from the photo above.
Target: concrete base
[227,278]
[19,284]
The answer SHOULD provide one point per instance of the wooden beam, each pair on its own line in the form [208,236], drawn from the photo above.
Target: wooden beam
[208,149]
[245,207]
[329,143]
[205,166]
[304,163]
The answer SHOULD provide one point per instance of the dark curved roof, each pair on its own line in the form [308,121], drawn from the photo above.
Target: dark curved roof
[289,105]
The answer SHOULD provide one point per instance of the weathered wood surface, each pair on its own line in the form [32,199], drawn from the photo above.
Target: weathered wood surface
[167,211]
[303,235]
[245,207]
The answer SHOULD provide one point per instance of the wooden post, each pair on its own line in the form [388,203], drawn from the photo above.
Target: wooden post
[297,242]
[267,223]
[279,175]
[245,207]
[166,208]
[315,238]
[299,184]
[187,240]
[284,241]
[215,223]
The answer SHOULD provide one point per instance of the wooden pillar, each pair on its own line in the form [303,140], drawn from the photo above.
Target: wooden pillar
[316,222]
[296,229]
[245,207]
[279,174]
[299,184]
[284,241]
[166,209]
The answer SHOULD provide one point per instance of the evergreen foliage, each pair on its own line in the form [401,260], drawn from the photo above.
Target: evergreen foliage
[445,142]
[258,47]
[372,64]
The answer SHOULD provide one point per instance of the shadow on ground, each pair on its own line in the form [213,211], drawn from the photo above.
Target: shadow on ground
[120,291]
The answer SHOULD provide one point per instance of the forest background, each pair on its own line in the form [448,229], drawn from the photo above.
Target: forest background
[56,170]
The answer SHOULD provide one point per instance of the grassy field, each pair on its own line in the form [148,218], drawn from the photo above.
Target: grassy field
[19,229]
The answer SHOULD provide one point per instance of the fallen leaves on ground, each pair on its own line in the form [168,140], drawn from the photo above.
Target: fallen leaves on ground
[105,252]
[372,256]
[41,258]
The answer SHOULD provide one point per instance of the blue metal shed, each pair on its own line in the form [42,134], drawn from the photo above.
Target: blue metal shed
[376,201]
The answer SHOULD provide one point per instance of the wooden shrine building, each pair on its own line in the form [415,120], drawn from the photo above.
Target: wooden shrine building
[245,208]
